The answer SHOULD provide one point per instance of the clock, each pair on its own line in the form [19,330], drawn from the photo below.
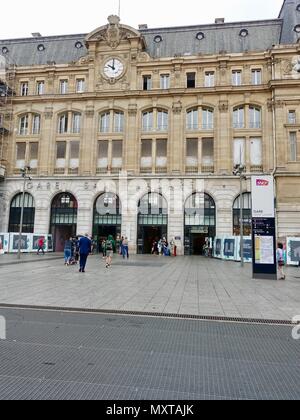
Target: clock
[113,68]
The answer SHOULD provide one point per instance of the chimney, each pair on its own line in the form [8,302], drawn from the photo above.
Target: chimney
[143,26]
[220,21]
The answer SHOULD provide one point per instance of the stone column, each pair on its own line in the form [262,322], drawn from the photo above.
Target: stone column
[177,140]
[222,142]
[132,140]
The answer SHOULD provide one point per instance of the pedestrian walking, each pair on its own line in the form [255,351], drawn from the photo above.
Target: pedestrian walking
[85,248]
[68,251]
[281,261]
[103,248]
[41,245]
[125,248]
[110,246]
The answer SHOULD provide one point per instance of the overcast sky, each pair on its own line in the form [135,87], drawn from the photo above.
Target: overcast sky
[58,17]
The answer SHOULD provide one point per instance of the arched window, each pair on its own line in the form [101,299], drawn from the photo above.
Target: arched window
[148,121]
[207,119]
[247,215]
[63,121]
[36,124]
[15,214]
[105,122]
[76,123]
[118,122]
[162,120]
[200,210]
[239,117]
[107,215]
[192,119]
[23,125]
[255,117]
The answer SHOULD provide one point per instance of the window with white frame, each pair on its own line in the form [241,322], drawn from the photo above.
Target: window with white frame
[40,87]
[239,151]
[239,118]
[63,121]
[80,85]
[192,122]
[207,119]
[255,117]
[147,83]
[256,77]
[165,81]
[63,87]
[256,152]
[237,77]
[292,117]
[118,122]
[293,146]
[105,122]
[209,80]
[148,121]
[36,124]
[162,120]
[23,125]
[76,123]
[24,89]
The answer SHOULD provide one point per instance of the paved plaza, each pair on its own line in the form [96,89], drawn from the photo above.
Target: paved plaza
[54,355]
[183,285]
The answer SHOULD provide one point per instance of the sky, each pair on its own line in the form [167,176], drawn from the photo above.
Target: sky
[61,17]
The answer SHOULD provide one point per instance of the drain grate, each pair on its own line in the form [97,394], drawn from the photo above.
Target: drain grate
[153,314]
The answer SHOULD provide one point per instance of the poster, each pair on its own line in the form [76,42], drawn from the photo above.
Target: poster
[264,250]
[4,243]
[293,251]
[247,249]
[218,248]
[229,248]
[49,243]
[35,242]
[25,242]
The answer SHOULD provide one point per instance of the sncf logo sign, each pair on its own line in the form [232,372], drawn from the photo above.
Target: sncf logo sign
[262,183]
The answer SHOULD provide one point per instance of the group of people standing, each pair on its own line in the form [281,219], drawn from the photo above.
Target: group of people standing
[163,247]
[110,246]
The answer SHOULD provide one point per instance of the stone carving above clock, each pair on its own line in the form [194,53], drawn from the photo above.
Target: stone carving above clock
[113,33]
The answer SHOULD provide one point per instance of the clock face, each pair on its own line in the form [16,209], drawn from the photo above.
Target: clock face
[113,68]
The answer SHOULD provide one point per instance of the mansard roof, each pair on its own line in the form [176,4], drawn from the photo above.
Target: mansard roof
[170,42]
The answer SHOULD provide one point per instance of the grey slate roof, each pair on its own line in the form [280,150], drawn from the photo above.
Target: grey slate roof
[177,41]
[217,38]
[291,18]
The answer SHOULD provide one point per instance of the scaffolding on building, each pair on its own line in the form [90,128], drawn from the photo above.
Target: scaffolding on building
[7,84]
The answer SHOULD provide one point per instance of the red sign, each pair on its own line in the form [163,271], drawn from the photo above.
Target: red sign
[262,183]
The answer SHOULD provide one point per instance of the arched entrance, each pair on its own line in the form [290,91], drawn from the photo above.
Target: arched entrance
[15,214]
[200,222]
[63,222]
[107,218]
[152,221]
[247,215]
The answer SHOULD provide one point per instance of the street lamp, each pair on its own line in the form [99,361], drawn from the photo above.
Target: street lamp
[239,170]
[25,175]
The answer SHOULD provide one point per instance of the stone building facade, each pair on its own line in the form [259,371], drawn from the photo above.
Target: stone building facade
[103,119]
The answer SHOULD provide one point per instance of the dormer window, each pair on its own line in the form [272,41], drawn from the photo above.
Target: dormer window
[244,33]
[41,48]
[297,29]
[200,36]
[158,39]
[5,50]
[78,45]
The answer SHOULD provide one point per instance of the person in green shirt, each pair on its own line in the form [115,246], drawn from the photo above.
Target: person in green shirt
[110,246]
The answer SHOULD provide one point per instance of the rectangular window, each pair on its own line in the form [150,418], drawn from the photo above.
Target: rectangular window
[239,151]
[237,78]
[80,85]
[191,80]
[255,117]
[74,154]
[192,153]
[76,123]
[102,162]
[146,154]
[61,147]
[207,119]
[292,117]
[207,153]
[63,124]
[162,121]
[293,147]
[192,122]
[239,118]
[161,153]
[148,121]
[40,88]
[33,155]
[256,77]
[256,152]
[117,154]
[23,127]
[209,79]
[21,152]
[165,81]
[105,123]
[63,87]
[147,83]
[24,89]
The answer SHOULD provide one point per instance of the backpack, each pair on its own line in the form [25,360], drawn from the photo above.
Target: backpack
[109,246]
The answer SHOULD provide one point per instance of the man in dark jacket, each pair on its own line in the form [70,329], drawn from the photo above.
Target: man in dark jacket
[85,248]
